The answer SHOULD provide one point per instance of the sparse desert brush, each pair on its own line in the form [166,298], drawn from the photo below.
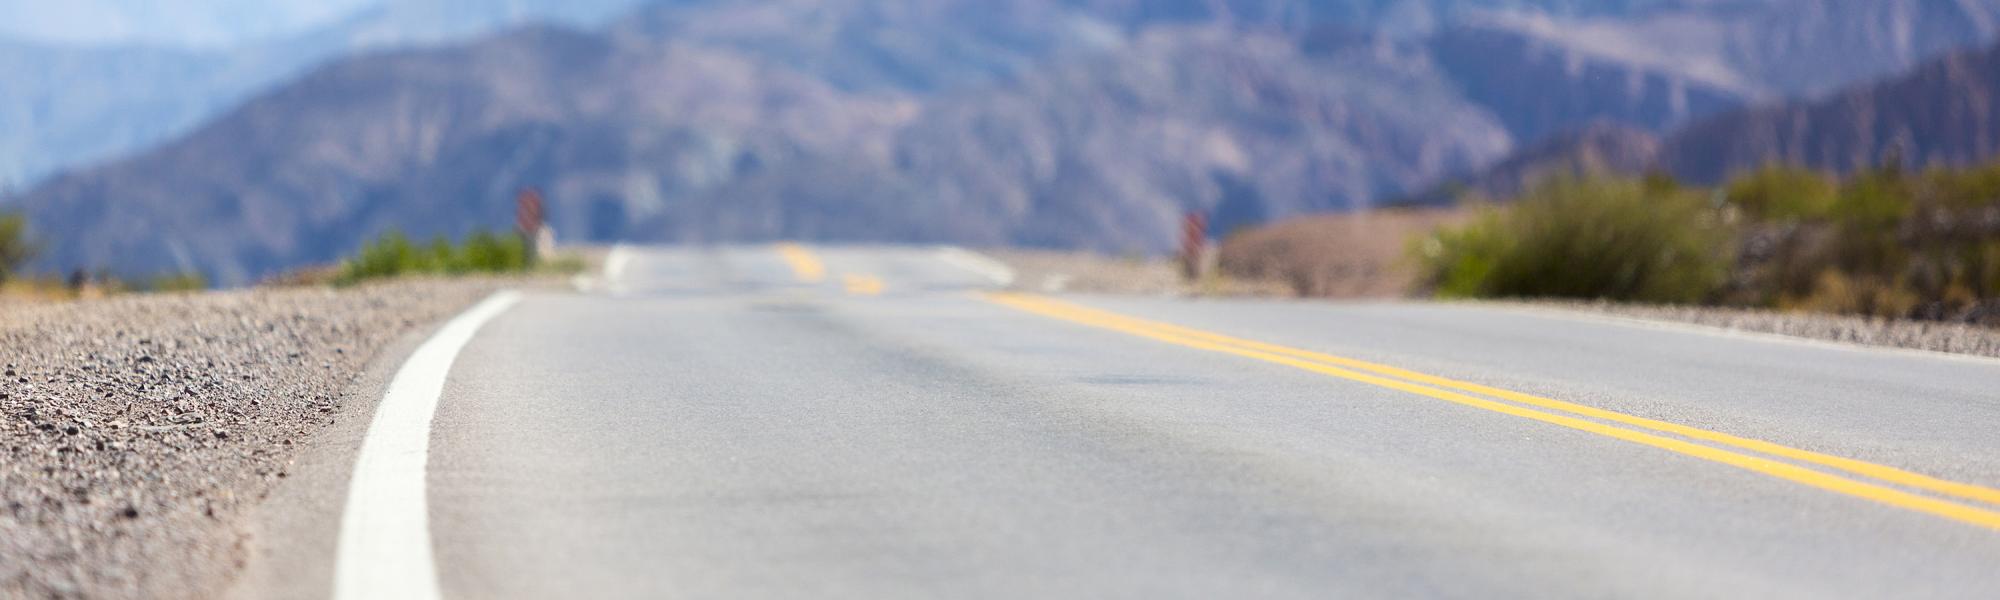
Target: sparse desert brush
[16,246]
[1592,238]
[1884,242]
[392,254]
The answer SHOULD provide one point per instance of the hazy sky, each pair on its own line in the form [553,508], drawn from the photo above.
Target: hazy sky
[172,22]
[227,23]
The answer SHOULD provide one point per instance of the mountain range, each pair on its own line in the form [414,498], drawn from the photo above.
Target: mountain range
[69,104]
[1943,113]
[1065,123]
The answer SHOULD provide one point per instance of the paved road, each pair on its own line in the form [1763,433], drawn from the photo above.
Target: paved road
[745,422]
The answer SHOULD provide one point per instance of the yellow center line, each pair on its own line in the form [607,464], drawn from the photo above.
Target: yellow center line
[863,285]
[1868,469]
[1409,381]
[804,265]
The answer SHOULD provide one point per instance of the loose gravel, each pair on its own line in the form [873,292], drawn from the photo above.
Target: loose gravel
[138,431]
[1953,338]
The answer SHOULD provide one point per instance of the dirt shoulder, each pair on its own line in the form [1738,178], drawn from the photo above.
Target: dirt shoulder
[1357,255]
[139,431]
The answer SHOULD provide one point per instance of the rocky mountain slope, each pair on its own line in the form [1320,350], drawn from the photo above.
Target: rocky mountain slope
[1945,112]
[1774,48]
[957,120]
[71,105]
[663,140]
[109,98]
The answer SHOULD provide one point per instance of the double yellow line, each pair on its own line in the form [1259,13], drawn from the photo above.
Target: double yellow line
[804,265]
[1856,478]
[808,268]
[862,285]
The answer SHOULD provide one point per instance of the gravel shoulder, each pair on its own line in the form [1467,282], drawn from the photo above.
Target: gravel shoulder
[1929,336]
[140,432]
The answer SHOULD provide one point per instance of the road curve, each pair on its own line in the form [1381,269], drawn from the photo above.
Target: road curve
[787,421]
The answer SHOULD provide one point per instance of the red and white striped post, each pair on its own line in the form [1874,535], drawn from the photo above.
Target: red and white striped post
[529,221]
[1194,244]
[528,212]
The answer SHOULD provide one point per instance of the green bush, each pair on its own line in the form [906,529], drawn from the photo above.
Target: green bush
[1777,192]
[1960,189]
[1882,242]
[1873,201]
[16,247]
[1593,238]
[394,255]
[178,282]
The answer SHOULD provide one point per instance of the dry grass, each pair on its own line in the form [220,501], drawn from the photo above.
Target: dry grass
[25,291]
[1360,255]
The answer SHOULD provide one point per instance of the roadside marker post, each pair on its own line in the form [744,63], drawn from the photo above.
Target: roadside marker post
[1194,245]
[529,221]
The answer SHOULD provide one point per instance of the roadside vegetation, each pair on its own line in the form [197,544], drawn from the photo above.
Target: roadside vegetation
[19,246]
[1880,243]
[393,254]
[1616,239]
[16,247]
[390,255]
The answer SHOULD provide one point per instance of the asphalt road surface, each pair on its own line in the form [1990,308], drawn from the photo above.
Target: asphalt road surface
[758,421]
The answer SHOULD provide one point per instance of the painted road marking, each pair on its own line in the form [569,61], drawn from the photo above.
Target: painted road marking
[804,265]
[385,536]
[1430,386]
[863,285]
[1882,472]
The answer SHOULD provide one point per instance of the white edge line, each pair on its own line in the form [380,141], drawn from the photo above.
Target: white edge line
[985,266]
[385,538]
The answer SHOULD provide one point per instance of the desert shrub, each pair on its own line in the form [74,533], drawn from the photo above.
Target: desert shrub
[16,247]
[177,282]
[393,254]
[1598,238]
[1873,201]
[1960,189]
[1778,192]
[485,252]
[389,255]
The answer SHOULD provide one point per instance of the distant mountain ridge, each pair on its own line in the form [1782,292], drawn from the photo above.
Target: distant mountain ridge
[1945,112]
[71,105]
[1773,48]
[108,101]
[971,121]
[663,140]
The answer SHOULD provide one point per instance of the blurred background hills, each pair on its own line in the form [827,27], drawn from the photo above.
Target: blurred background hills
[240,139]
